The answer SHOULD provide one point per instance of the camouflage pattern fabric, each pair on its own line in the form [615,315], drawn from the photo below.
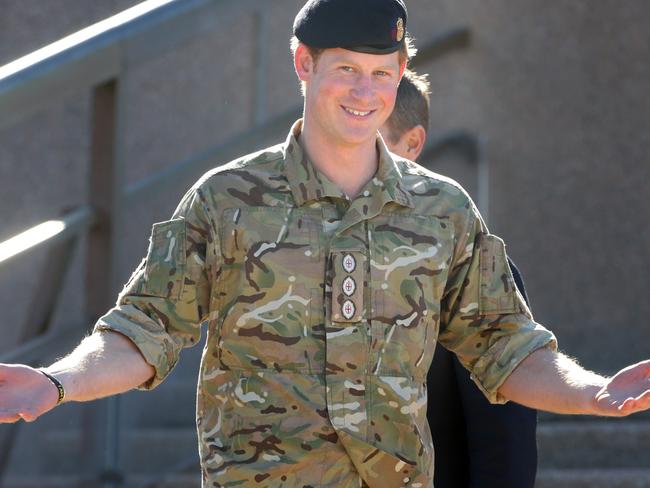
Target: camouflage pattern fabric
[322,317]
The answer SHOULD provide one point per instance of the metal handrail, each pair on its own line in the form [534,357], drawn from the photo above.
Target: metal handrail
[104,50]
[47,234]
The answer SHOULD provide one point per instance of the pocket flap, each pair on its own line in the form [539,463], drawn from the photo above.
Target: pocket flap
[498,292]
[166,260]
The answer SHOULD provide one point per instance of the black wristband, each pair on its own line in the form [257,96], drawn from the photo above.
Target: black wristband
[58,385]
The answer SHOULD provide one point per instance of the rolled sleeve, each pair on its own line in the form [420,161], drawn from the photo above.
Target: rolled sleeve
[157,346]
[494,366]
[166,299]
[485,320]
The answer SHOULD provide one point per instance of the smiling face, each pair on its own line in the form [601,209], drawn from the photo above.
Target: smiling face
[348,95]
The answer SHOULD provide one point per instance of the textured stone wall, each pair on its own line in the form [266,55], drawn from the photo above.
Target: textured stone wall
[43,159]
[559,94]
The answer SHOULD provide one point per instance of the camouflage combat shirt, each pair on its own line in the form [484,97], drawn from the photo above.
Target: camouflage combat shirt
[322,316]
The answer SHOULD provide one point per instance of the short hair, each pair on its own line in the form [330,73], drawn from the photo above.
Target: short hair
[411,106]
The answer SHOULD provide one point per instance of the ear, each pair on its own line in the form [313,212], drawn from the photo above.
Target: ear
[303,63]
[415,139]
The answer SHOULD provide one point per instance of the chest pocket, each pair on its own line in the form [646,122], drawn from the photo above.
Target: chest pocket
[409,267]
[273,271]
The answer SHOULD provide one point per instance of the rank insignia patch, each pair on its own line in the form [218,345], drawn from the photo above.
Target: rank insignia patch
[349,286]
[348,309]
[349,263]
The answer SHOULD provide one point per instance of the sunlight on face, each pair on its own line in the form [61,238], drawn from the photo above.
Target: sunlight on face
[349,95]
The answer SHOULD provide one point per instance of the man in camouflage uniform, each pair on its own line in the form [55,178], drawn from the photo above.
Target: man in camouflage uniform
[325,269]
[476,444]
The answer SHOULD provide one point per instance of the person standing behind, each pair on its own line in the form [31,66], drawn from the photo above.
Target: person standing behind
[477,444]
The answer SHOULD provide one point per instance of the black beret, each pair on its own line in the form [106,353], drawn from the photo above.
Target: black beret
[367,26]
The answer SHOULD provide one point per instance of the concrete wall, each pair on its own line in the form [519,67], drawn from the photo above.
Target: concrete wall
[557,92]
[44,159]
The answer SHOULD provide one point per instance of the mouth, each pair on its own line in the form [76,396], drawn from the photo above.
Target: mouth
[357,113]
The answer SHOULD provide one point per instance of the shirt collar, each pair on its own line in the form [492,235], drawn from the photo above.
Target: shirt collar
[308,184]
[305,181]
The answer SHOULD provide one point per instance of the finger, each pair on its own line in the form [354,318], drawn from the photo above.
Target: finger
[9,418]
[627,405]
[645,365]
[632,405]
[644,397]
[28,416]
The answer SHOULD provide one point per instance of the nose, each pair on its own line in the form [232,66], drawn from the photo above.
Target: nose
[363,88]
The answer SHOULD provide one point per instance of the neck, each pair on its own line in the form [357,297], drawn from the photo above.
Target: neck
[348,166]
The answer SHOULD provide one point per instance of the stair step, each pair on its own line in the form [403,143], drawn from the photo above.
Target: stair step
[599,444]
[608,449]
[546,478]
[555,417]
[177,481]
[142,452]
[593,478]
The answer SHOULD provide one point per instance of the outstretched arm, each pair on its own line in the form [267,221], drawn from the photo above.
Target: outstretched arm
[104,364]
[551,381]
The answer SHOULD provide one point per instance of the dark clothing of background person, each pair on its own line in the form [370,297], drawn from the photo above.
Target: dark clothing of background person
[477,444]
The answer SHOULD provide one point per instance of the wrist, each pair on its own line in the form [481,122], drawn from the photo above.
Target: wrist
[594,394]
[57,384]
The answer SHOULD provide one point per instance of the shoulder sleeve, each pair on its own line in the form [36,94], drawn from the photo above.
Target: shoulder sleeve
[164,302]
[484,318]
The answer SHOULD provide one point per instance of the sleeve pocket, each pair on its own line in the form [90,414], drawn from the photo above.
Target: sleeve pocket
[165,266]
[498,293]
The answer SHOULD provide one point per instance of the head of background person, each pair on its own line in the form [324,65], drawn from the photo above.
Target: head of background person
[405,131]
[349,56]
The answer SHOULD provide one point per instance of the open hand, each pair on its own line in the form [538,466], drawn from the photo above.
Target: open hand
[25,393]
[626,393]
